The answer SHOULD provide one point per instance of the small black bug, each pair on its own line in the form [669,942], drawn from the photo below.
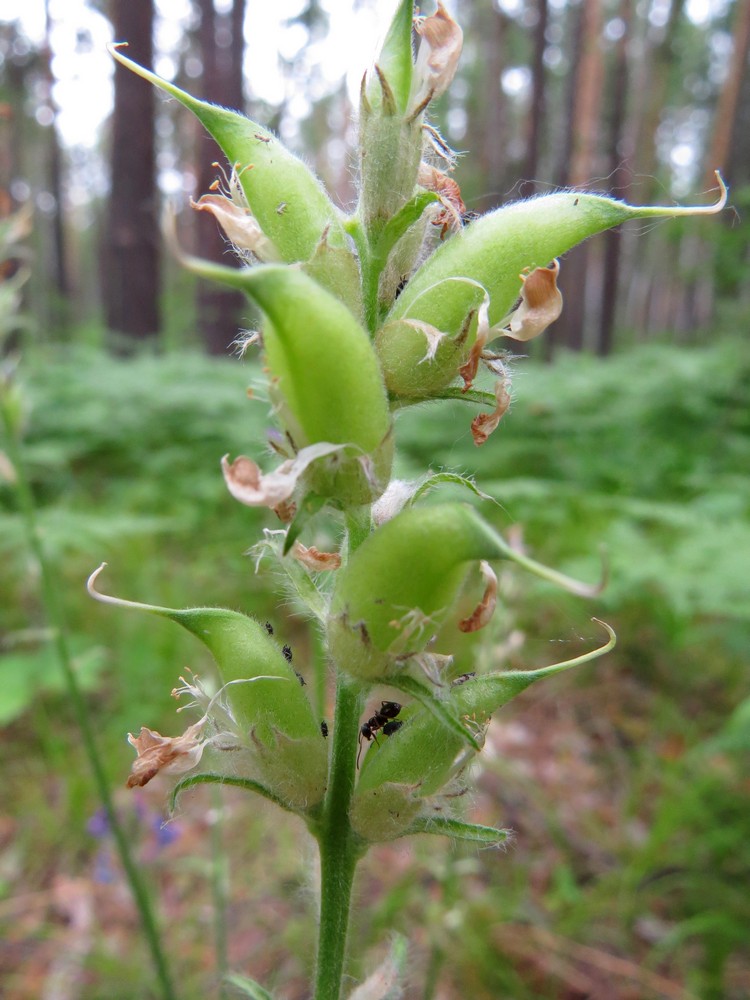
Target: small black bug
[380,721]
[324,728]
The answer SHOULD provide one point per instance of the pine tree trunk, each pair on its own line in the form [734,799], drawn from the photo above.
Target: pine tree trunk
[488,130]
[132,242]
[583,127]
[59,310]
[718,156]
[538,102]
[619,179]
[219,309]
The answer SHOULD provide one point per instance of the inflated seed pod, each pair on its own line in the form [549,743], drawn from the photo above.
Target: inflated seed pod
[390,145]
[400,772]
[491,255]
[287,200]
[395,95]
[325,377]
[262,706]
[395,61]
[400,584]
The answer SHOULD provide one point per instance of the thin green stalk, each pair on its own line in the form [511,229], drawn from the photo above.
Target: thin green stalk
[50,588]
[370,276]
[339,850]
[358,527]
[219,888]
[339,847]
[319,658]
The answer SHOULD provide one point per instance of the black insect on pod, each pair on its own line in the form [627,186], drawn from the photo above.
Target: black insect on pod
[287,651]
[382,720]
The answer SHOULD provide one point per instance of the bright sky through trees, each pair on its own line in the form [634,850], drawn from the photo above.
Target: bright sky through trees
[83,68]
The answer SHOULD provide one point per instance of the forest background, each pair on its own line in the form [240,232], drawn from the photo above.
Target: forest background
[630,429]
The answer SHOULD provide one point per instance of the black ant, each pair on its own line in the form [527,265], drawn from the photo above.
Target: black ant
[383,720]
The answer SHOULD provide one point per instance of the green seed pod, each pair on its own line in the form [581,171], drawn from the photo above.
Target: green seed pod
[289,203]
[271,715]
[400,583]
[417,357]
[325,377]
[395,61]
[399,772]
[390,143]
[390,153]
[491,254]
[243,650]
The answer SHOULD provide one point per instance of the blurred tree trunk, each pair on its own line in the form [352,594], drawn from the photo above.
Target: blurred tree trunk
[583,130]
[538,102]
[487,130]
[222,47]
[648,263]
[731,265]
[738,160]
[17,158]
[59,313]
[619,176]
[718,156]
[696,304]
[658,69]
[131,280]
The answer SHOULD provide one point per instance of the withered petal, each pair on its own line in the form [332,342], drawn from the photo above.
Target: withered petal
[314,559]
[485,423]
[171,754]
[438,55]
[482,613]
[541,304]
[254,488]
[468,370]
[239,224]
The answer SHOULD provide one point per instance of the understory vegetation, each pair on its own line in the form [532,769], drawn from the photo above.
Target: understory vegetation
[624,780]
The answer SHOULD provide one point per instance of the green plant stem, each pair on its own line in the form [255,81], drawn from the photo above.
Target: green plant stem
[338,845]
[340,849]
[219,883]
[50,589]
[358,527]
[370,275]
[320,660]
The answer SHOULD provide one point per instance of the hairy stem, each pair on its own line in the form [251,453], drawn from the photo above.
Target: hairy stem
[370,275]
[339,851]
[219,882]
